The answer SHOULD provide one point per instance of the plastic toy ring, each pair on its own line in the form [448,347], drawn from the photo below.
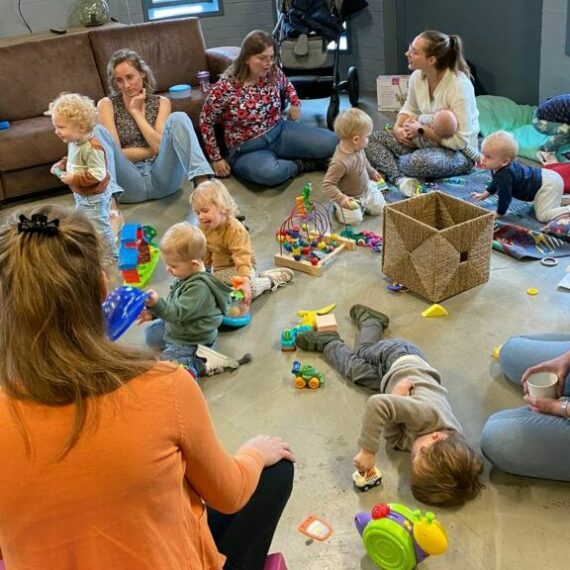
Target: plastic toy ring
[549,261]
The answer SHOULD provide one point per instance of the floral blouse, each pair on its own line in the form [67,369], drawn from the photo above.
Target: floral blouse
[247,111]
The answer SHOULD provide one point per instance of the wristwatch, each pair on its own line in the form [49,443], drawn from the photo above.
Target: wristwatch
[421,131]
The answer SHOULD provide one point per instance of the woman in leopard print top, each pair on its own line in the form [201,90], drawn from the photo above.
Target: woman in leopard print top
[150,150]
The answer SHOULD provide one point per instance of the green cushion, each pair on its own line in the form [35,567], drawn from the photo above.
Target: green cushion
[502,114]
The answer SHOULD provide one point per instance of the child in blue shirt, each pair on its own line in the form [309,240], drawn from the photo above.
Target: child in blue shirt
[512,179]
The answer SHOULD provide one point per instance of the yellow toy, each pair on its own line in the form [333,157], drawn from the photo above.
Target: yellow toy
[310,317]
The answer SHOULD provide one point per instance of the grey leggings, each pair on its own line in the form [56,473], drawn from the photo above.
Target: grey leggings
[394,160]
[371,359]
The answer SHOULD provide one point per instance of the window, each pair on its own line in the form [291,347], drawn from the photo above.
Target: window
[164,9]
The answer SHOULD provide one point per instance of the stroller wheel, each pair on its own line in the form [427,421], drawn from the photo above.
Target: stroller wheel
[332,111]
[353,86]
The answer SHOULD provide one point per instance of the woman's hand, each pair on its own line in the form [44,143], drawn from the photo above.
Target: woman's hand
[550,406]
[222,168]
[402,137]
[294,113]
[364,460]
[136,104]
[403,387]
[560,366]
[271,448]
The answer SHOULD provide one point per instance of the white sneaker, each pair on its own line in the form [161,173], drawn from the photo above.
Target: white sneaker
[409,186]
[546,157]
[216,362]
[279,276]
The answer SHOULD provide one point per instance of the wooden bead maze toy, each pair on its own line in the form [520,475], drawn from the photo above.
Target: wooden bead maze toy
[305,239]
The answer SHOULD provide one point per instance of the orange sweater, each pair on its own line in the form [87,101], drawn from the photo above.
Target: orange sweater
[130,493]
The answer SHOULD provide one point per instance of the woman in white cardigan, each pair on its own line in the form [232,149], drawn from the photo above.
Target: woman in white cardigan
[440,80]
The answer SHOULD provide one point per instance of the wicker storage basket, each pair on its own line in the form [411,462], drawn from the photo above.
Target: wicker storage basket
[436,245]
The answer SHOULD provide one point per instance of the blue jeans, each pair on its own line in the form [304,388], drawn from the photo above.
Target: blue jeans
[183,354]
[179,156]
[269,159]
[97,207]
[518,440]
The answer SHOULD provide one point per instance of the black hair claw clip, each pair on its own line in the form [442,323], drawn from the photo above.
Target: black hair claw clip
[39,224]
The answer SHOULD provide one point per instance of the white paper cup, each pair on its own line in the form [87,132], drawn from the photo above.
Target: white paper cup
[542,385]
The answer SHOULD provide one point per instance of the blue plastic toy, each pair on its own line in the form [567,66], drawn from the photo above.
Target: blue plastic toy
[121,308]
[289,337]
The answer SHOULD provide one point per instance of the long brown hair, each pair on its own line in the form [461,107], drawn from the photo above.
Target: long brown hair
[136,61]
[254,43]
[447,50]
[52,328]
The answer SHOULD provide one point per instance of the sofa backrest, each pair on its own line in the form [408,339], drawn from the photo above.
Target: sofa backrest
[175,50]
[34,73]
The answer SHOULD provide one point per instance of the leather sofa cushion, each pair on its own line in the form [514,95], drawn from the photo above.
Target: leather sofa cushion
[175,50]
[34,73]
[28,143]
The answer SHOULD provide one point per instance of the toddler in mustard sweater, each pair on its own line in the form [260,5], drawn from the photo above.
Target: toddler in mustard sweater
[230,252]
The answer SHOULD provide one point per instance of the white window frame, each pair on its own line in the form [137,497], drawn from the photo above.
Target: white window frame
[171,9]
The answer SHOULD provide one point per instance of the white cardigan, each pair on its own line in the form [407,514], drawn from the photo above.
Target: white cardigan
[454,92]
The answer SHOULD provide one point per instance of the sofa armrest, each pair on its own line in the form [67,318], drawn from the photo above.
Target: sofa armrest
[219,59]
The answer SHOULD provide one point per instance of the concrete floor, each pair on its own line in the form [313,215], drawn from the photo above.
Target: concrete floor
[515,524]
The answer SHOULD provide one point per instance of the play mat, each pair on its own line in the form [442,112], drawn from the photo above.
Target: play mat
[517,234]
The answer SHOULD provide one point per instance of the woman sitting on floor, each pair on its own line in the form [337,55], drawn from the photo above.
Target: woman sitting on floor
[440,80]
[249,98]
[150,151]
[533,441]
[111,459]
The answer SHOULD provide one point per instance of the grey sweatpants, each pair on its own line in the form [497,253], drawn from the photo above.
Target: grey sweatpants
[372,357]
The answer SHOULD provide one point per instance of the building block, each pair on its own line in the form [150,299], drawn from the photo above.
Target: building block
[435,311]
[275,561]
[326,323]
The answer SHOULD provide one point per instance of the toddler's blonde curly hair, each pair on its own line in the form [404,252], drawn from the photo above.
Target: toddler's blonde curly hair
[78,109]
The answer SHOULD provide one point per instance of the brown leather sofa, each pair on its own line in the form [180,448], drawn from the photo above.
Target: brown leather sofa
[35,72]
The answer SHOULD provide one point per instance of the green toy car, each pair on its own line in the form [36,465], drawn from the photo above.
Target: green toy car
[306,375]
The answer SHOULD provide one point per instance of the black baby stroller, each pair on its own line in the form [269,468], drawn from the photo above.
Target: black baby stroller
[304,30]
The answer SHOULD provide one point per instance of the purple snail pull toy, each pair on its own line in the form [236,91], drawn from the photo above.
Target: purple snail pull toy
[397,538]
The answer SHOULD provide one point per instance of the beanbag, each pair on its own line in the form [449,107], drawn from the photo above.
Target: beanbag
[502,114]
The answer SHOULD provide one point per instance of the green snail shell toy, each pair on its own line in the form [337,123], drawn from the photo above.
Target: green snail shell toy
[397,538]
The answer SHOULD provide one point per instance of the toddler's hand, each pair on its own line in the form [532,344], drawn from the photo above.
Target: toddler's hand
[144,317]
[152,298]
[364,460]
[66,177]
[376,176]
[245,287]
[479,195]
[403,387]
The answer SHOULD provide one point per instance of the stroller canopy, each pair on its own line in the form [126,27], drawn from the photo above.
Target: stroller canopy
[321,17]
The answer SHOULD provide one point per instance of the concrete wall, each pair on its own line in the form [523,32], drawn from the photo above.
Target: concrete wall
[554,63]
[502,38]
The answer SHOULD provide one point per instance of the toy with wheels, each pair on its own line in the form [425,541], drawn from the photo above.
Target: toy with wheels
[397,538]
[367,480]
[121,309]
[238,314]
[306,376]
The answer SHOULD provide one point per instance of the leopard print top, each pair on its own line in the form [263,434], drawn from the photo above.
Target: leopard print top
[129,133]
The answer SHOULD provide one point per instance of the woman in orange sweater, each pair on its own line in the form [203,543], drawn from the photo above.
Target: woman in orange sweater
[110,458]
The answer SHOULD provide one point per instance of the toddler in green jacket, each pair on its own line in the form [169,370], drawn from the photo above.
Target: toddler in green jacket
[193,310]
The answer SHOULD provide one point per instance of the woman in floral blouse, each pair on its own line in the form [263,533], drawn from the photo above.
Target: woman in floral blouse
[249,98]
